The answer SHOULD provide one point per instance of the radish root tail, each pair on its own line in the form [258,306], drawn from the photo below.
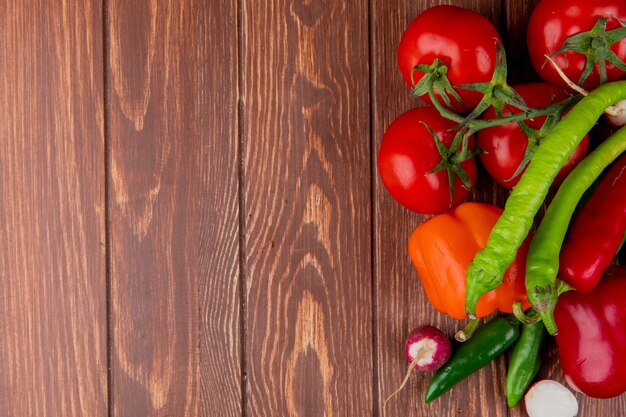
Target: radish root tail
[565,78]
[406,379]
[611,110]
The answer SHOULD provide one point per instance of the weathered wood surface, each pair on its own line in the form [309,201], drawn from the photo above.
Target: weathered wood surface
[307,175]
[173,209]
[53,337]
[192,221]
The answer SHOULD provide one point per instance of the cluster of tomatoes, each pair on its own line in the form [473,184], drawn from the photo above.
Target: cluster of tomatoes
[416,160]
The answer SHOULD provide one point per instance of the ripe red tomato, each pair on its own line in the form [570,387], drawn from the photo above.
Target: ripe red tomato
[464,40]
[552,21]
[504,146]
[408,154]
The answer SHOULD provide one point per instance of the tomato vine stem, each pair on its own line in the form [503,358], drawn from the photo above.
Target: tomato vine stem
[496,93]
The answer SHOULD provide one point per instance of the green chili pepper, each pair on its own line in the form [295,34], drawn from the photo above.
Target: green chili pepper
[542,262]
[486,270]
[525,361]
[488,342]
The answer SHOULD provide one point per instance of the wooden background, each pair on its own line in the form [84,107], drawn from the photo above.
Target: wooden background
[191,222]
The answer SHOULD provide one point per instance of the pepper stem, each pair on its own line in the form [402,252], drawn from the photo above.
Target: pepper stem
[466,333]
[544,300]
[548,320]
[562,286]
[526,318]
[478,282]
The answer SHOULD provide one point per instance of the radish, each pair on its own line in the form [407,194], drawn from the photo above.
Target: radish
[427,349]
[617,118]
[548,398]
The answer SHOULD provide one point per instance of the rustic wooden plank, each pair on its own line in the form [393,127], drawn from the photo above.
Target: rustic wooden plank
[173,207]
[517,13]
[52,262]
[307,208]
[401,301]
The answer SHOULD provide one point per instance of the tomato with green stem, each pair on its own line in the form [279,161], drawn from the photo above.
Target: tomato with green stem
[460,43]
[423,164]
[586,39]
[507,149]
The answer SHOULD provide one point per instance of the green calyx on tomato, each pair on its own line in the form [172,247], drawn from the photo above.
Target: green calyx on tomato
[420,160]
[590,30]
[596,46]
[462,40]
[451,159]
[534,137]
[503,104]
[496,93]
[434,81]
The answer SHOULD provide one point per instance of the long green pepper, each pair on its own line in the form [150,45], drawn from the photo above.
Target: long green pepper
[542,261]
[488,342]
[486,270]
[525,362]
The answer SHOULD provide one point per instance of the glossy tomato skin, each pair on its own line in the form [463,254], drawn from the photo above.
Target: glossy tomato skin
[552,21]
[503,146]
[408,153]
[464,40]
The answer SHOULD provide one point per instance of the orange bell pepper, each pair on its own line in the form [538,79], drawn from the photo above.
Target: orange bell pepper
[441,249]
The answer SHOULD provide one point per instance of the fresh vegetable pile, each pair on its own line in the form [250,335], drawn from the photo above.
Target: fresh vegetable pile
[547,275]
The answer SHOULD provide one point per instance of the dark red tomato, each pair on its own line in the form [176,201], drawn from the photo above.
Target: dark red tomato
[552,21]
[504,146]
[464,40]
[408,153]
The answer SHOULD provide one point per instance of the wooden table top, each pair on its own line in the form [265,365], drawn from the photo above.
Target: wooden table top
[191,220]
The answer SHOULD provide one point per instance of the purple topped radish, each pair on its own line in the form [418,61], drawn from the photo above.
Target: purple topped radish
[427,349]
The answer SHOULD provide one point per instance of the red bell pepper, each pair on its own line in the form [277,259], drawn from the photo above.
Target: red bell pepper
[597,231]
[592,336]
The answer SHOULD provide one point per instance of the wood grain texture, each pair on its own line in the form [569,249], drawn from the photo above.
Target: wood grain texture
[173,205]
[219,164]
[517,13]
[307,208]
[52,263]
